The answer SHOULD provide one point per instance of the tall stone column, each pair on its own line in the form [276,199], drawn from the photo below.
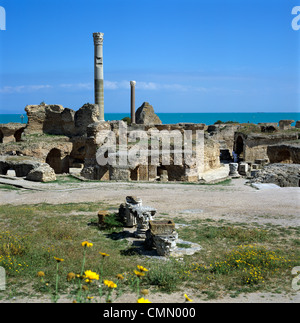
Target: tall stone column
[132,108]
[99,83]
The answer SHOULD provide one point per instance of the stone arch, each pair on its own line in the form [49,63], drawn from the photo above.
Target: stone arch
[284,156]
[57,162]
[134,174]
[1,137]
[18,134]
[239,147]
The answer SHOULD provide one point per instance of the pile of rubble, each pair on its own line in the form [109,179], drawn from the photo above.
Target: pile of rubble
[158,235]
[283,175]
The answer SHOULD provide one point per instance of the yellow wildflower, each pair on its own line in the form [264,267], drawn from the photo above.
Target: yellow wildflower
[41,274]
[86,244]
[143,300]
[91,275]
[141,268]
[104,254]
[110,283]
[120,276]
[58,259]
[138,273]
[187,298]
[70,276]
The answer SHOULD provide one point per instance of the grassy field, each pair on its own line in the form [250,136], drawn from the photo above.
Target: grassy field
[235,258]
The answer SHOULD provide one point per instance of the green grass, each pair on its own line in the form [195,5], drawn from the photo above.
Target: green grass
[235,258]
[6,187]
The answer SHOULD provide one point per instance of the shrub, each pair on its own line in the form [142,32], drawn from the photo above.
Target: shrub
[127,120]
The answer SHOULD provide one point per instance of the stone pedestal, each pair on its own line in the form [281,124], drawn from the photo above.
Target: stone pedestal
[130,217]
[233,170]
[243,169]
[135,214]
[163,176]
[162,236]
[143,216]
[165,244]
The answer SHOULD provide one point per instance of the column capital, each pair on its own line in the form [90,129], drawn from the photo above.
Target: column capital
[132,83]
[98,38]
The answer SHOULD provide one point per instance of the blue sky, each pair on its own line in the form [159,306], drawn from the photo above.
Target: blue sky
[186,55]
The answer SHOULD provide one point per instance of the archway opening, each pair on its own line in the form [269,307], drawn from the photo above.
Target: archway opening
[134,174]
[18,134]
[1,137]
[239,147]
[284,157]
[55,160]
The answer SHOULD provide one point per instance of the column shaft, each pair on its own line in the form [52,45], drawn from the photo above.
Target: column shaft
[99,79]
[132,103]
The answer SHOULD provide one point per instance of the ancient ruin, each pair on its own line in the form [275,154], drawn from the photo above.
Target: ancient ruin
[69,141]
[157,235]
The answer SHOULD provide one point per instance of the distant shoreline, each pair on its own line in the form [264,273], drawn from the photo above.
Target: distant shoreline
[190,117]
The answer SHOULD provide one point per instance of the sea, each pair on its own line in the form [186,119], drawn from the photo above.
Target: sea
[171,118]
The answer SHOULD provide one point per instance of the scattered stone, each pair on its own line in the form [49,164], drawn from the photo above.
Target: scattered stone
[159,235]
[162,227]
[283,175]
[86,115]
[162,236]
[243,169]
[189,211]
[133,200]
[133,213]
[101,217]
[145,115]
[233,170]
[255,166]
[43,173]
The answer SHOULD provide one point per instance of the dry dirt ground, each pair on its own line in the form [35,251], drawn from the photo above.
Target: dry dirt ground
[235,202]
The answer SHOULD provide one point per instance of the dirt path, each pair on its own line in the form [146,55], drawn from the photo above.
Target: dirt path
[236,202]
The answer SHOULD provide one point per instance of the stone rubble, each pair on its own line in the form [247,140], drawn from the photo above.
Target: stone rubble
[283,175]
[160,235]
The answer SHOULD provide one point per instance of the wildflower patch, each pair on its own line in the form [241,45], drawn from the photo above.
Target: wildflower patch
[255,263]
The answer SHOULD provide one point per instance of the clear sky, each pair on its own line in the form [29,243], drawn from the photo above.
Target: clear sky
[185,55]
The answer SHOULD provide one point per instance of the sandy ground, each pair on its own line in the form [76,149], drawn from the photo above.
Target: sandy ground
[236,202]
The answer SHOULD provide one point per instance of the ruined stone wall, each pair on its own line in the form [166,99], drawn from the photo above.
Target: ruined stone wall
[255,145]
[11,132]
[211,154]
[96,135]
[284,153]
[56,120]
[224,134]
